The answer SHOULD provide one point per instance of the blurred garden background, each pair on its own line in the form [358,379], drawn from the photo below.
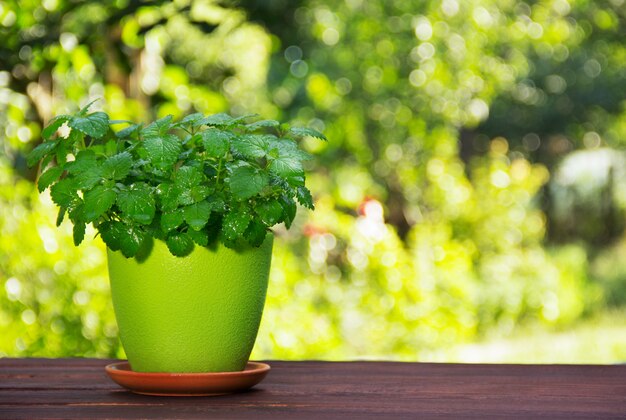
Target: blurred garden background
[471,201]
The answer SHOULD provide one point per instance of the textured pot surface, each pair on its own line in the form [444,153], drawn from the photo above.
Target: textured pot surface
[200,313]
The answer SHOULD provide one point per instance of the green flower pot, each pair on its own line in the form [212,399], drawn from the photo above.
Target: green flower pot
[199,313]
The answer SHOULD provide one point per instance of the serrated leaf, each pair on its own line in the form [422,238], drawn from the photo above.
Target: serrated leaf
[44,149]
[171,220]
[64,147]
[48,177]
[83,110]
[246,181]
[117,166]
[287,148]
[188,177]
[200,237]
[87,168]
[289,208]
[286,167]
[235,223]
[190,119]
[78,233]
[53,125]
[158,128]
[168,194]
[303,132]
[304,197]
[197,215]
[97,202]
[83,161]
[128,131]
[60,216]
[137,203]
[252,146]
[199,193]
[179,244]
[270,212]
[76,211]
[163,151]
[215,142]
[86,180]
[262,124]
[216,120]
[255,233]
[63,193]
[121,237]
[95,125]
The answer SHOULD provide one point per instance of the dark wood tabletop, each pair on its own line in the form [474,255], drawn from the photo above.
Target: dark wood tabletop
[79,388]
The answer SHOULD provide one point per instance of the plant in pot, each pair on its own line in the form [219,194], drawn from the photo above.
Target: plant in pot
[185,209]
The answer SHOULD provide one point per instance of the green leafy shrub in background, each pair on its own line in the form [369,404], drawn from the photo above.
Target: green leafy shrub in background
[439,112]
[219,178]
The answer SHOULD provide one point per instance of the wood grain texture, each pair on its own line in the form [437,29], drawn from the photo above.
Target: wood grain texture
[79,388]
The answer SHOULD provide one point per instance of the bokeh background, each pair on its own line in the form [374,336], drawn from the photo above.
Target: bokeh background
[471,202]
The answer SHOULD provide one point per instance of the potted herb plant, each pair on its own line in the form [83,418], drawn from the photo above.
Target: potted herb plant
[185,209]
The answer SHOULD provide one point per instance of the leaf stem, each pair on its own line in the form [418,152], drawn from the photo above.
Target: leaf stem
[219,171]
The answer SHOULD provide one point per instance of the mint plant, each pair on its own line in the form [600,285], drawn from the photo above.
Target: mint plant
[193,182]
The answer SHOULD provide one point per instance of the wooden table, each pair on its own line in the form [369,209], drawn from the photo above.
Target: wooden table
[79,388]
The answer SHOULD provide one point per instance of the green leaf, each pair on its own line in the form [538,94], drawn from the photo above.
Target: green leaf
[168,194]
[117,166]
[197,215]
[189,186]
[84,161]
[44,149]
[246,181]
[215,142]
[158,128]
[252,146]
[83,110]
[48,177]
[179,244]
[78,233]
[128,131]
[60,216]
[190,119]
[98,201]
[201,237]
[88,179]
[287,166]
[137,203]
[64,148]
[270,212]
[95,125]
[255,233]
[171,220]
[199,193]
[163,151]
[119,236]
[64,192]
[304,197]
[235,223]
[217,120]
[262,124]
[188,177]
[77,211]
[87,169]
[303,132]
[287,148]
[53,125]
[289,208]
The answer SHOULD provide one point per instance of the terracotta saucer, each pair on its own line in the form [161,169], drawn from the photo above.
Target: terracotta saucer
[187,384]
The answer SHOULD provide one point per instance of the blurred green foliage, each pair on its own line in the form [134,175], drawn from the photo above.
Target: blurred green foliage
[446,121]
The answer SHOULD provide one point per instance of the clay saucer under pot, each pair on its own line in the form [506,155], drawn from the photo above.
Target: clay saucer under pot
[187,384]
